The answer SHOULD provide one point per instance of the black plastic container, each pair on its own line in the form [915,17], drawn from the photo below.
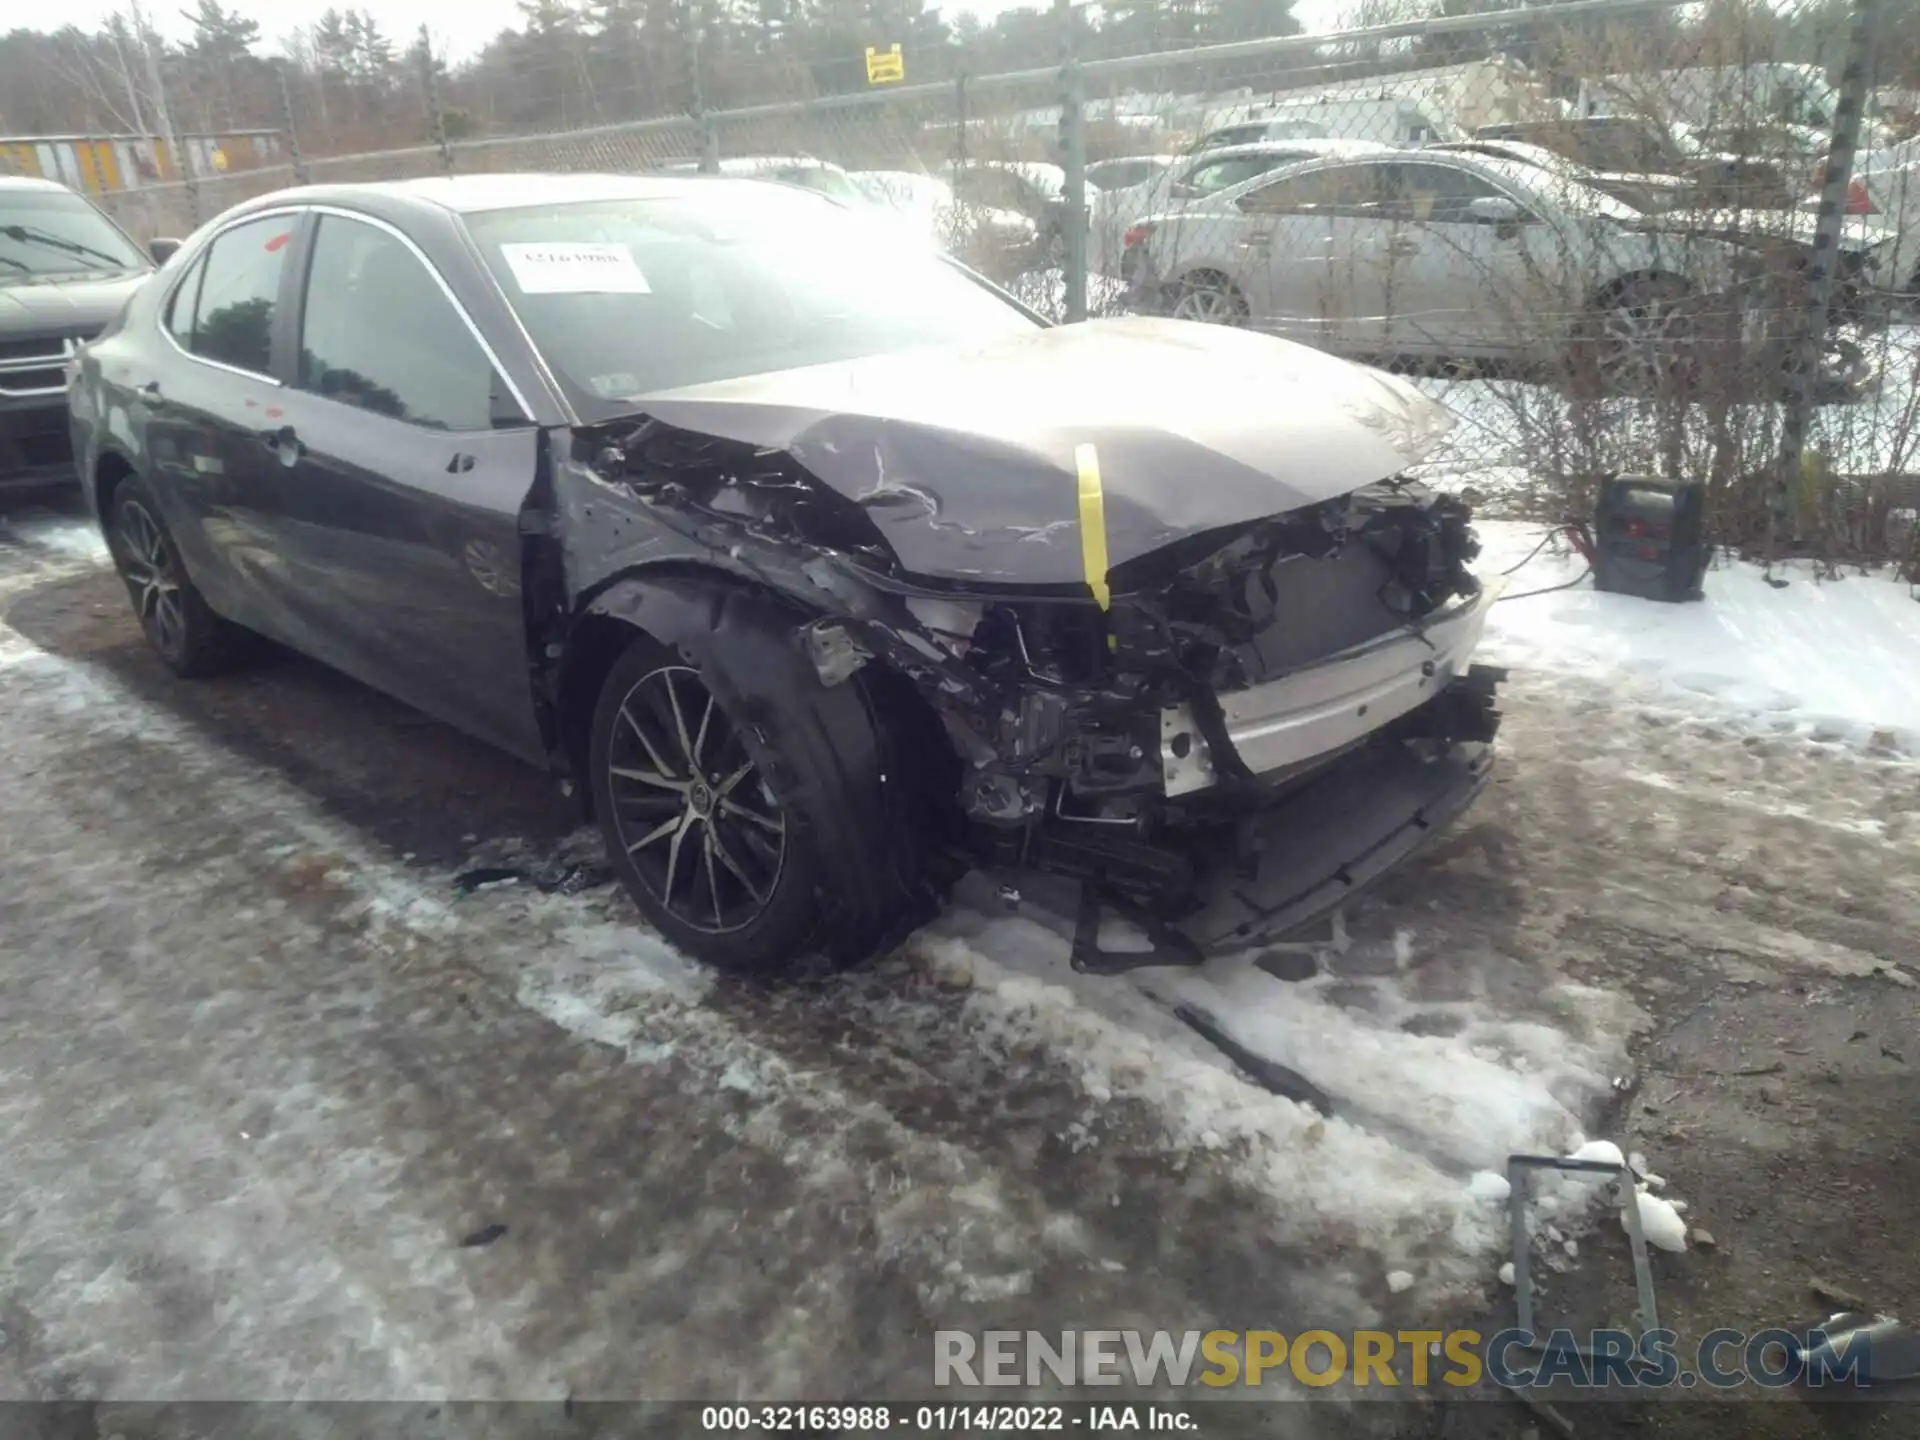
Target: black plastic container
[1650,537]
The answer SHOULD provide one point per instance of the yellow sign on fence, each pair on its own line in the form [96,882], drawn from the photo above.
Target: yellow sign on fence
[885,67]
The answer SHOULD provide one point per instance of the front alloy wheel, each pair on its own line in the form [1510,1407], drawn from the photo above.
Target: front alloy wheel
[690,808]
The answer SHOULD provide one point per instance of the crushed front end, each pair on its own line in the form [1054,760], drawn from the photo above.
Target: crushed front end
[1255,725]
[1223,692]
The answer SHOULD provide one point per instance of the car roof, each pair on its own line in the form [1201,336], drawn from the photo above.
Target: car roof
[1327,145]
[476,194]
[28,182]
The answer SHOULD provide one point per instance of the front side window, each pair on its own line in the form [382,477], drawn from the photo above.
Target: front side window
[55,232]
[378,333]
[625,297]
[1436,194]
[239,292]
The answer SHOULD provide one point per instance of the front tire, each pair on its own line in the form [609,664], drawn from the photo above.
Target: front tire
[190,639]
[1637,341]
[711,855]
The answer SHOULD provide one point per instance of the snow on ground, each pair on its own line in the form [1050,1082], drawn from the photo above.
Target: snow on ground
[1425,1092]
[1439,1065]
[1832,661]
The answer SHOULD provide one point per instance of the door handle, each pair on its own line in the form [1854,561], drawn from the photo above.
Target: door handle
[1399,245]
[149,391]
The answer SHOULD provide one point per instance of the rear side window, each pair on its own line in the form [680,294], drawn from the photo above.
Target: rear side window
[237,293]
[180,309]
[379,334]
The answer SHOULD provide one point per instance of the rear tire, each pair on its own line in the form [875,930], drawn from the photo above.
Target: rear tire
[1208,297]
[190,639]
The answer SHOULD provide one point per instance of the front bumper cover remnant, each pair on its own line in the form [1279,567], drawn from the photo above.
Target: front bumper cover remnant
[1313,850]
[1324,707]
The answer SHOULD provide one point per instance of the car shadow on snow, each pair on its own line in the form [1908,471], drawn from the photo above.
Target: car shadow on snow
[417,786]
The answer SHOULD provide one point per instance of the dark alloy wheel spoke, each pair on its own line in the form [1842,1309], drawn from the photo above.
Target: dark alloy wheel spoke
[147,567]
[690,807]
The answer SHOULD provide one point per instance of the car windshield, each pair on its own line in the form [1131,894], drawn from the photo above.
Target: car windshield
[712,286]
[55,232]
[826,180]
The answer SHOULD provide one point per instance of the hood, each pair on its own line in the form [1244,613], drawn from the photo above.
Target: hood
[64,304]
[969,460]
[1749,226]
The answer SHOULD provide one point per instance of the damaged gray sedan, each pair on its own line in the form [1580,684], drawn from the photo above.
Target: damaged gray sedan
[824,569]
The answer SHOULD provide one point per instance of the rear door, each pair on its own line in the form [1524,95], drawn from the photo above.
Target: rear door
[1460,284]
[407,460]
[208,412]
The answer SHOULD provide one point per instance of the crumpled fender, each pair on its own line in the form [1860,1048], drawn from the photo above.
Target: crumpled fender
[824,749]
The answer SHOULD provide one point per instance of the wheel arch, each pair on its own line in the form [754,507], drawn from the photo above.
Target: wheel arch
[110,470]
[860,732]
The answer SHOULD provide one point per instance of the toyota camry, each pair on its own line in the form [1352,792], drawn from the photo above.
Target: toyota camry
[821,568]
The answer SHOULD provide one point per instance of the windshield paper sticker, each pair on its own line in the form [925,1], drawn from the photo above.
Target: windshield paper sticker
[599,268]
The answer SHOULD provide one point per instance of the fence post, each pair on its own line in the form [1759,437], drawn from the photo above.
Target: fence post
[1810,340]
[1073,146]
[709,136]
[300,176]
[960,114]
[436,112]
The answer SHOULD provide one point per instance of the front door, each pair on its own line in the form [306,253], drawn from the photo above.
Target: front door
[1470,284]
[1313,233]
[406,468]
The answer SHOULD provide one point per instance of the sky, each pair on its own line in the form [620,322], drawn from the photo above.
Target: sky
[459,27]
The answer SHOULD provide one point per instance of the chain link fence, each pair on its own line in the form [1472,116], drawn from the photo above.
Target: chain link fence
[1612,235]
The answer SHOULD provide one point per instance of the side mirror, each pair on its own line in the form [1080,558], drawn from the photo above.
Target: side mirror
[162,249]
[1495,210]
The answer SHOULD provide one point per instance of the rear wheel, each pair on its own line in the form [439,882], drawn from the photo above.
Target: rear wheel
[1208,297]
[706,848]
[183,630]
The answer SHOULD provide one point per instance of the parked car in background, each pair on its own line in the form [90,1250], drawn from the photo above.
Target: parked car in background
[1194,177]
[1884,194]
[1128,171]
[1251,132]
[1649,194]
[1447,256]
[1786,238]
[1025,187]
[1629,145]
[65,272]
[820,567]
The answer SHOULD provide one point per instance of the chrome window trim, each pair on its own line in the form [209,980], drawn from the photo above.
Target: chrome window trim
[200,259]
[473,329]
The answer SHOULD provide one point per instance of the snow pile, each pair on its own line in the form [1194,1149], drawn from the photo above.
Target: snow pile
[1830,661]
[1431,1091]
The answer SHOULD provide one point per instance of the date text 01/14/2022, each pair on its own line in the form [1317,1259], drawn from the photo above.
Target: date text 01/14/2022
[946,1419]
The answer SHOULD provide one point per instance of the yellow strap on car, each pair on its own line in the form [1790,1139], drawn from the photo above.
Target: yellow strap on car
[1093,523]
